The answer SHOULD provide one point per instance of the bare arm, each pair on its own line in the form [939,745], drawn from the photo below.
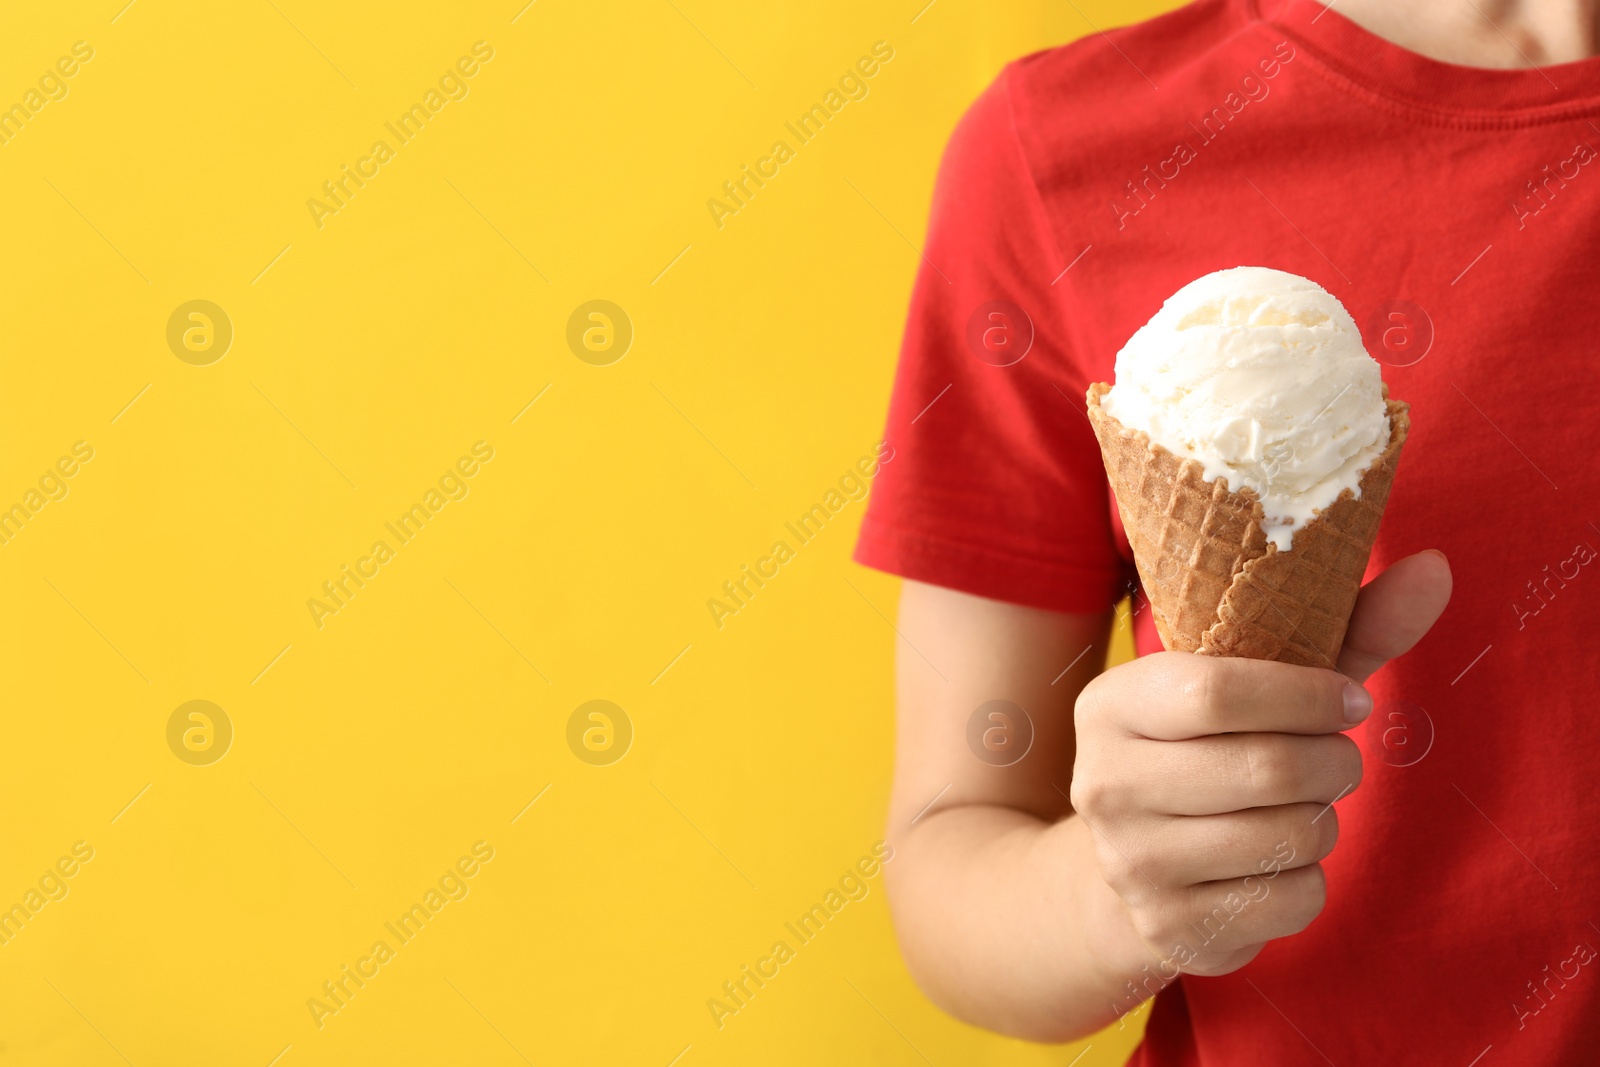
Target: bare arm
[993,888]
[1196,780]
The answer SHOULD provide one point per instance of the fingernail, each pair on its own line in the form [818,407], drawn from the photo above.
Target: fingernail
[1357,703]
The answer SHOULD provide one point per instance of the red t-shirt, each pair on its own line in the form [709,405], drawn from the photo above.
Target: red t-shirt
[1455,212]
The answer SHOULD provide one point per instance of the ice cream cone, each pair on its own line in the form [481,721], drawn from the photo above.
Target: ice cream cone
[1216,586]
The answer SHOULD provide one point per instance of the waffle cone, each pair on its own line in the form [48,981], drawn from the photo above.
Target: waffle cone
[1215,584]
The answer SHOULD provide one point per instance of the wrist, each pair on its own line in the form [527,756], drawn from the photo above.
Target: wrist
[1128,970]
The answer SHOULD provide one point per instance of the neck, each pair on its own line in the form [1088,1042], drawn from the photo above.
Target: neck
[1504,34]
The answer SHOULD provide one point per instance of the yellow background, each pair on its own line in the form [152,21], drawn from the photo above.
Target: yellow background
[426,714]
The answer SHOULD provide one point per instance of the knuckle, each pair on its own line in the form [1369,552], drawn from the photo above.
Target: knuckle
[1324,693]
[1153,923]
[1101,787]
[1121,875]
[1203,689]
[1209,690]
[1269,771]
[1087,792]
[1086,707]
[1123,866]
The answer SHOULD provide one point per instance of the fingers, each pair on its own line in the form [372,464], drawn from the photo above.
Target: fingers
[1394,611]
[1183,850]
[1173,696]
[1215,777]
[1230,772]
[1215,926]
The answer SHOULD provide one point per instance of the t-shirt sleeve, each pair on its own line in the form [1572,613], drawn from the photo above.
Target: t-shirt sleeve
[995,486]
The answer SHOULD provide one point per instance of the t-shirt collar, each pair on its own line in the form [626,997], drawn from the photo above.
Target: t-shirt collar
[1378,66]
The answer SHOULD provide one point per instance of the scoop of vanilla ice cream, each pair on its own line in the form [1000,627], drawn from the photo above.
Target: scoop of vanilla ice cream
[1261,377]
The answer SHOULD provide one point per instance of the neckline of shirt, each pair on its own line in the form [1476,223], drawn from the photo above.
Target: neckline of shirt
[1379,67]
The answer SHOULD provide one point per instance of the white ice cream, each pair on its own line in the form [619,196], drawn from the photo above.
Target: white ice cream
[1261,376]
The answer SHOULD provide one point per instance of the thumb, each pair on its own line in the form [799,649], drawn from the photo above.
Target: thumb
[1394,611]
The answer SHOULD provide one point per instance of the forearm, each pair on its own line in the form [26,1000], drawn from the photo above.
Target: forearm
[1006,923]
